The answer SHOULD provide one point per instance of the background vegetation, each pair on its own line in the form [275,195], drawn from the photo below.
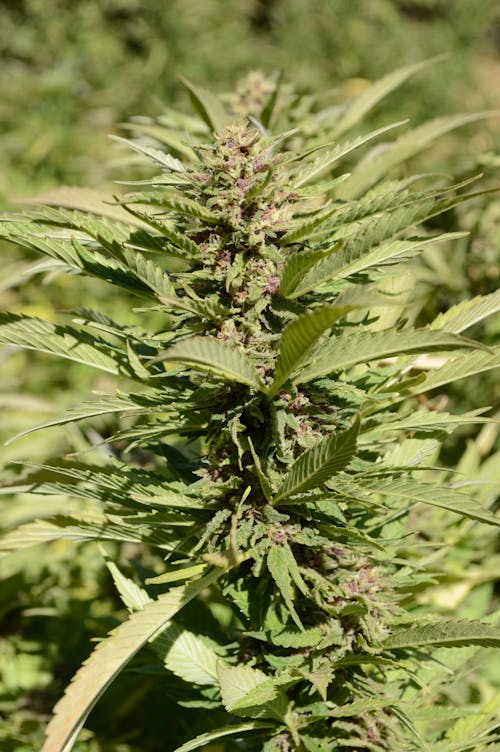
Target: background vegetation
[70,73]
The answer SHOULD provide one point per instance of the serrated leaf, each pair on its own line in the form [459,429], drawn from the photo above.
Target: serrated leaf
[248,691]
[358,707]
[410,452]
[483,722]
[281,563]
[263,480]
[108,659]
[435,496]
[177,574]
[296,265]
[458,367]
[446,634]
[311,171]
[320,463]
[209,354]
[172,201]
[187,655]
[306,638]
[86,200]
[152,402]
[165,136]
[301,230]
[160,158]
[64,341]
[365,101]
[297,339]
[426,421]
[467,313]
[181,245]
[356,257]
[212,736]
[346,350]
[368,171]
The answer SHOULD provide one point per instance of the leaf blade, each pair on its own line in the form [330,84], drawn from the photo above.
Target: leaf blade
[209,354]
[97,673]
[297,339]
[345,351]
[318,464]
[445,634]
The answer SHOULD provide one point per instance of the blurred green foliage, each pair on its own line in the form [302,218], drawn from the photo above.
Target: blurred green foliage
[70,72]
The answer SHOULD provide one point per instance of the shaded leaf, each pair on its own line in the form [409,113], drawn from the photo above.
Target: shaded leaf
[281,564]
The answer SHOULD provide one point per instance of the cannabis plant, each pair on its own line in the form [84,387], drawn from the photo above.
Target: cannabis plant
[271,451]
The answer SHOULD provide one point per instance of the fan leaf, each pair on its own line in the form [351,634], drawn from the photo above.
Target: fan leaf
[448,634]
[209,354]
[108,659]
[347,350]
[298,338]
[317,465]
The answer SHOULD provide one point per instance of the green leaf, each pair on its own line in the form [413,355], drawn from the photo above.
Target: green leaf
[212,736]
[209,354]
[172,201]
[187,655]
[302,230]
[296,265]
[467,313]
[318,464]
[475,725]
[109,658]
[63,341]
[86,200]
[281,564]
[160,158]
[248,691]
[359,707]
[365,101]
[448,634]
[310,171]
[297,339]
[177,574]
[458,367]
[269,108]
[133,596]
[183,245]
[120,403]
[208,106]
[304,638]
[346,350]
[424,421]
[434,496]
[368,171]
[358,255]
[263,480]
